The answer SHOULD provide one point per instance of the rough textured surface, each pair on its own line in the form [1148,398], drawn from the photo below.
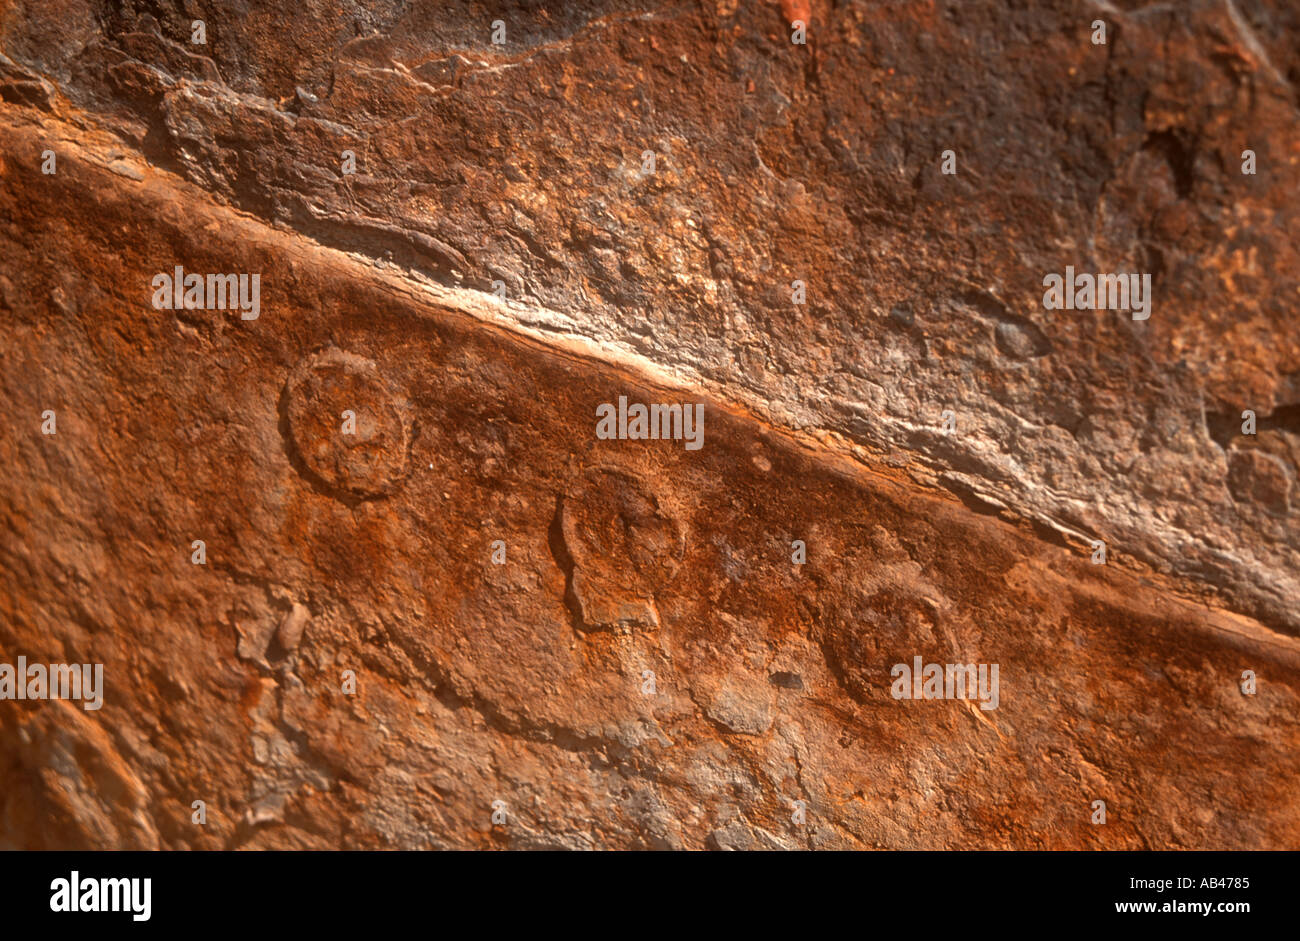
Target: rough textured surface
[525,682]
